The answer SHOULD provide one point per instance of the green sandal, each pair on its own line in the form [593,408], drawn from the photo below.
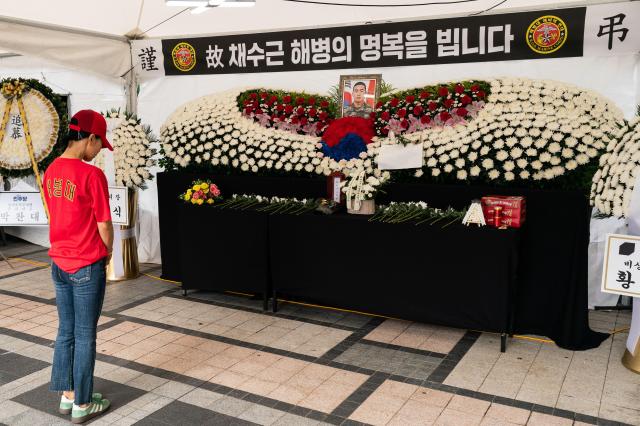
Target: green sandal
[81,415]
[66,405]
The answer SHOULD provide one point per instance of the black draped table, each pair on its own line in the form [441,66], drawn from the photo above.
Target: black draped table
[551,297]
[424,273]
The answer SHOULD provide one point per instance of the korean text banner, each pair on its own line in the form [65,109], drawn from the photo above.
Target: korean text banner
[542,34]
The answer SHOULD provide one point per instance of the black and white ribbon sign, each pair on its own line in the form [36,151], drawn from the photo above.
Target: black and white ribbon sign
[597,30]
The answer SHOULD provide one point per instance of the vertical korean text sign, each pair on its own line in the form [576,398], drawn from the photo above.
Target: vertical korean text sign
[621,266]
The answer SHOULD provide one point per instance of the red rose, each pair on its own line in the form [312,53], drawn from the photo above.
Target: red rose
[443,91]
[424,95]
[459,89]
[481,94]
[466,100]
[462,112]
[385,116]
[379,104]
[246,102]
[263,95]
[286,99]
[258,111]
[372,115]
[273,98]
[385,131]
[288,109]
[283,117]
[303,120]
[475,88]
[409,99]
[294,120]
[324,104]
[319,126]
[312,112]
[248,110]
[253,96]
[300,111]
[280,107]
[402,113]
[405,124]
[311,101]
[323,116]
[444,116]
[417,110]
[433,106]
[425,119]
[448,103]
[394,102]
[300,101]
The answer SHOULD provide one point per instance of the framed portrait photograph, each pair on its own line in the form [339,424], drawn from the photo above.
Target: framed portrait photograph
[359,94]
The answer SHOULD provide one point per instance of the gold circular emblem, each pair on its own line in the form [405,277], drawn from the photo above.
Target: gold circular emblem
[546,34]
[184,56]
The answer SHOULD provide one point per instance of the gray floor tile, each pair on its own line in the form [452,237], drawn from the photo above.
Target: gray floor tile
[390,361]
[180,413]
[14,366]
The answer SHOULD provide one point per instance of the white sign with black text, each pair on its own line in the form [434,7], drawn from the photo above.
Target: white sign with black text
[621,267]
[22,209]
[118,201]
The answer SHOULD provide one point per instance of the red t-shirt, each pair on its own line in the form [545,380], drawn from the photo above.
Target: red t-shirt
[77,195]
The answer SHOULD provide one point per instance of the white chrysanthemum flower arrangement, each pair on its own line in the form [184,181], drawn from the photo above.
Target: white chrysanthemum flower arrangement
[529,130]
[132,150]
[613,183]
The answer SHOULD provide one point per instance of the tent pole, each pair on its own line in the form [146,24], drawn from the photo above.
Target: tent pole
[131,86]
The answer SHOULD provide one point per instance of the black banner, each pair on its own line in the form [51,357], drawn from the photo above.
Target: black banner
[554,33]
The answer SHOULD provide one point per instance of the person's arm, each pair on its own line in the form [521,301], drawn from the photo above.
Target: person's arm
[105,229]
[101,210]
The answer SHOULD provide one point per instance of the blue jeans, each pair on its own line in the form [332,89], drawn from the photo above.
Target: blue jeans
[79,297]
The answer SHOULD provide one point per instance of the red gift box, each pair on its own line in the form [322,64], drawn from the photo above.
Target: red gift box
[513,213]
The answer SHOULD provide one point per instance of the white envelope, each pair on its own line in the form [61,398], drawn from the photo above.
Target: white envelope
[395,157]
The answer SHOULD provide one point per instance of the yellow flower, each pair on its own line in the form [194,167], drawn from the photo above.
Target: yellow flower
[210,201]
[200,201]
[187,197]
[204,185]
[206,191]
[194,201]
[196,187]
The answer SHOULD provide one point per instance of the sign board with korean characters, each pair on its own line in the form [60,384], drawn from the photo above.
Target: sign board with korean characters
[621,267]
[22,209]
[119,202]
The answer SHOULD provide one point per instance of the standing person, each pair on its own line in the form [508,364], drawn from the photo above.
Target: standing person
[81,235]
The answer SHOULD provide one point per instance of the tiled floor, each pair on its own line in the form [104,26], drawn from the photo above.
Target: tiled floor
[218,359]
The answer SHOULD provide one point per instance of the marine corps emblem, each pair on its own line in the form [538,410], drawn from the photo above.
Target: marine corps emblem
[546,34]
[184,56]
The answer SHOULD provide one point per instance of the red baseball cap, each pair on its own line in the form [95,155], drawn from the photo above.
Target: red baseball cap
[90,121]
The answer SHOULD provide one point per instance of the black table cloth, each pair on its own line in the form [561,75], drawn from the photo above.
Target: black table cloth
[424,273]
[552,278]
[223,249]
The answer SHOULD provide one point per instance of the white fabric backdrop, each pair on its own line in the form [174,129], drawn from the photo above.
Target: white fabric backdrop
[86,91]
[615,77]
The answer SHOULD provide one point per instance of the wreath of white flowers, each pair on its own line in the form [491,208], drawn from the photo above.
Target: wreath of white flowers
[613,183]
[132,149]
[528,130]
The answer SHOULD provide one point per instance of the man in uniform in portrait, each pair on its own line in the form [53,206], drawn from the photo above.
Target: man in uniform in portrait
[358,107]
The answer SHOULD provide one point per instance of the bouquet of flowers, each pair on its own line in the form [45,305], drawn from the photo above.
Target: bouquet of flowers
[132,152]
[614,181]
[201,192]
[294,112]
[418,212]
[431,106]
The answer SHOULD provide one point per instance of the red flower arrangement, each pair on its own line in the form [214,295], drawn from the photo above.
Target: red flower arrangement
[441,105]
[295,112]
